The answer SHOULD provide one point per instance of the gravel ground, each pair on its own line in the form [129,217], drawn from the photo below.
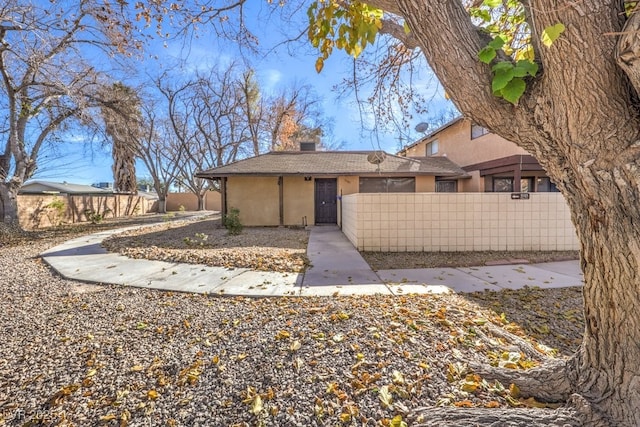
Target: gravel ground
[76,354]
[207,242]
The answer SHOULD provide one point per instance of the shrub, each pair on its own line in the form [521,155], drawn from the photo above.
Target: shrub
[57,209]
[232,222]
[96,217]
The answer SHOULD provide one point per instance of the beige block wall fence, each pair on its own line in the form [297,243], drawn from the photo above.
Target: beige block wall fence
[457,222]
[212,201]
[35,211]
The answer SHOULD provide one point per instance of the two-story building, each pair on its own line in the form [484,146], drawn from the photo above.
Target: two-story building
[493,163]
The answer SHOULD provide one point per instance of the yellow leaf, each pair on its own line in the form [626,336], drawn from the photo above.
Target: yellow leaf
[107,418]
[152,394]
[345,418]
[470,387]
[295,346]
[397,422]
[319,65]
[343,316]
[241,356]
[385,396]
[398,378]
[282,335]
[256,406]
[514,391]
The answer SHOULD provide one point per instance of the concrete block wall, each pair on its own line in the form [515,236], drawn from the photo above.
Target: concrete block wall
[457,222]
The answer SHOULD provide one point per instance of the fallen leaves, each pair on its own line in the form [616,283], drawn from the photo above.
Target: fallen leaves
[259,248]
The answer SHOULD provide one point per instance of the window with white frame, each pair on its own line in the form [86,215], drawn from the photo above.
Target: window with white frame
[432,148]
[477,131]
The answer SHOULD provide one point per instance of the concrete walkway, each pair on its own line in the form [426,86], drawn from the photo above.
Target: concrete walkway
[337,269]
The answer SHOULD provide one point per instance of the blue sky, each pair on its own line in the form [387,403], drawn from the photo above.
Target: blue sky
[279,68]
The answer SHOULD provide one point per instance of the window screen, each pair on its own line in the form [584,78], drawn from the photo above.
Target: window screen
[477,131]
[446,186]
[387,185]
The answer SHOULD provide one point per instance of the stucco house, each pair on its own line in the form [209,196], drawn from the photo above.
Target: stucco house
[493,163]
[306,187]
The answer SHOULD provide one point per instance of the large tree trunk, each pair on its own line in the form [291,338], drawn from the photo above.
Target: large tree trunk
[201,200]
[608,362]
[580,119]
[9,205]
[162,204]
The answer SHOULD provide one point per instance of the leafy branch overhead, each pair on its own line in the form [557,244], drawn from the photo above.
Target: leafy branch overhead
[354,25]
[350,29]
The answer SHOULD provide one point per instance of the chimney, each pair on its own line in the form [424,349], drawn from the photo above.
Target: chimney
[307,146]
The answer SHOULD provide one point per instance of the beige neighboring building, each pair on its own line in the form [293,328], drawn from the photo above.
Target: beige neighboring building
[493,163]
[306,187]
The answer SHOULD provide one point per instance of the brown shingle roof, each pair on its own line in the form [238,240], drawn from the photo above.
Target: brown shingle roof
[332,163]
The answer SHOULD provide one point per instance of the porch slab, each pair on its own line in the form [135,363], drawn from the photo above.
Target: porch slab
[345,290]
[410,288]
[252,283]
[567,268]
[519,276]
[455,279]
[186,278]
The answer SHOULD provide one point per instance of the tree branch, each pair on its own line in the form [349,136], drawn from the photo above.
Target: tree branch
[395,30]
[451,44]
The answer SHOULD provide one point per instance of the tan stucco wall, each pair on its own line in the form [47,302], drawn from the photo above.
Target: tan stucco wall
[473,184]
[348,185]
[455,142]
[425,184]
[298,200]
[212,201]
[257,198]
[34,210]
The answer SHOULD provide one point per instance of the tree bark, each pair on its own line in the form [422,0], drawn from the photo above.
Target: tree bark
[9,205]
[201,200]
[580,118]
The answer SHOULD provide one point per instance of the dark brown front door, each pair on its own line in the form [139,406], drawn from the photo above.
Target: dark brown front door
[326,201]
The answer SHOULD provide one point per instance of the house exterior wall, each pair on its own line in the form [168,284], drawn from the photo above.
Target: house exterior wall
[455,142]
[257,198]
[212,201]
[458,222]
[425,184]
[298,200]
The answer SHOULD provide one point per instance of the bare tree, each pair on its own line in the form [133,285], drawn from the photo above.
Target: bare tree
[208,119]
[46,85]
[160,151]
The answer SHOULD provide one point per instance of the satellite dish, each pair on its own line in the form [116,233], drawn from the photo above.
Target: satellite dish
[376,157]
[422,127]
